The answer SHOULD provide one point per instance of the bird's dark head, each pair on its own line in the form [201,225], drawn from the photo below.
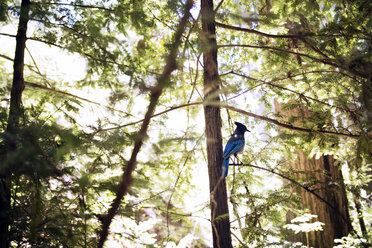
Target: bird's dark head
[241,128]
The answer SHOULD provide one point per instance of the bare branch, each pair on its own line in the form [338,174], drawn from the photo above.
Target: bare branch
[9,35]
[218,6]
[241,242]
[6,57]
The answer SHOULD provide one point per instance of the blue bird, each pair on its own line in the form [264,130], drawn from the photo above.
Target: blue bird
[234,145]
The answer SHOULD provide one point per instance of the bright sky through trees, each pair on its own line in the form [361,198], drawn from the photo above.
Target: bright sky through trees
[93,70]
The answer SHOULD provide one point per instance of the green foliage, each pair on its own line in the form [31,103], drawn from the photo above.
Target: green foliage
[71,153]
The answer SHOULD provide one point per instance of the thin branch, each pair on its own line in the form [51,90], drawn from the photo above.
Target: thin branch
[288,126]
[193,83]
[241,242]
[63,48]
[9,35]
[6,57]
[71,95]
[314,48]
[79,6]
[190,215]
[34,85]
[252,31]
[37,68]
[270,83]
[298,184]
[80,35]
[218,6]
[155,115]
[289,36]
[324,61]
[189,154]
[156,92]
[263,118]
[258,210]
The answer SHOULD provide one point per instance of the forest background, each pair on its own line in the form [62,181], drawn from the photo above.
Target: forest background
[113,115]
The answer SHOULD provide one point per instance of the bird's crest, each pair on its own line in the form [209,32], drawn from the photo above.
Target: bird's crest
[241,127]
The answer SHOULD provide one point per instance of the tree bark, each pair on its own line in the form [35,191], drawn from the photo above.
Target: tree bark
[329,185]
[15,113]
[326,179]
[218,197]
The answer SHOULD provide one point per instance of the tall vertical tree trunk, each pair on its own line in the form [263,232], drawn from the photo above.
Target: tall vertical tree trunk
[326,180]
[15,113]
[218,198]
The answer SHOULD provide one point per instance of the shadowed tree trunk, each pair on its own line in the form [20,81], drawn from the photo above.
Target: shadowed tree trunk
[15,113]
[326,180]
[328,183]
[218,197]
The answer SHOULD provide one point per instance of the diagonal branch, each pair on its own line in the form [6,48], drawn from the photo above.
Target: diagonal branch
[290,36]
[288,126]
[252,31]
[154,115]
[80,6]
[87,55]
[29,84]
[324,61]
[156,92]
[302,95]
[260,117]
[298,184]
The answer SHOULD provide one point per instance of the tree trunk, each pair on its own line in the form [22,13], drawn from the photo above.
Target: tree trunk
[15,113]
[326,180]
[328,184]
[218,197]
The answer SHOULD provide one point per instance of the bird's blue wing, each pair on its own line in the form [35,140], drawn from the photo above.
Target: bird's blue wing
[225,167]
[232,147]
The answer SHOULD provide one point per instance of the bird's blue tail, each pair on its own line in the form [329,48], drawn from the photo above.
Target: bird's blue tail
[225,167]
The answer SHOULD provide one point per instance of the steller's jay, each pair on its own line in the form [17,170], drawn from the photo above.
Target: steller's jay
[234,145]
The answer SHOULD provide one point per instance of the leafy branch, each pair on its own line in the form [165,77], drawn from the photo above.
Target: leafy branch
[260,117]
[302,95]
[87,55]
[289,126]
[156,92]
[287,36]
[296,183]
[253,31]
[34,85]
[324,61]
[79,6]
